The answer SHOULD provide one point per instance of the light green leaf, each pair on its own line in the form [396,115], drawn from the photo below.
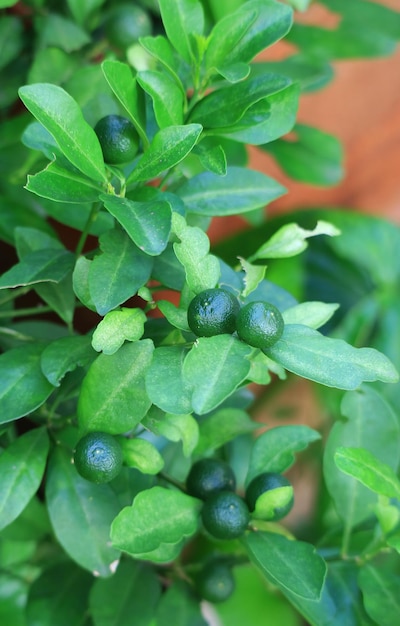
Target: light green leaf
[283,562]
[165,384]
[174,428]
[148,224]
[214,368]
[201,268]
[23,387]
[221,427]
[57,30]
[166,95]
[169,146]
[22,466]
[226,33]
[370,471]
[61,116]
[81,513]
[64,355]
[312,314]
[39,266]
[182,19]
[240,191]
[80,282]
[113,397]
[162,50]
[254,274]
[61,185]
[176,316]
[141,531]
[212,156]
[117,327]
[328,361]
[290,240]
[142,455]
[274,450]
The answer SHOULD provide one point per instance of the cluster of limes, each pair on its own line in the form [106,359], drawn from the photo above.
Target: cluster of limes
[217,311]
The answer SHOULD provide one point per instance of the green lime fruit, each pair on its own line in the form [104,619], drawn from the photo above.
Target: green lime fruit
[270,496]
[118,138]
[225,515]
[213,312]
[215,582]
[209,476]
[260,324]
[125,24]
[98,457]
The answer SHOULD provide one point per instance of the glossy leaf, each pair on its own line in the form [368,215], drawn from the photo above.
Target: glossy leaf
[56,183]
[64,355]
[37,267]
[142,455]
[328,361]
[201,268]
[225,35]
[23,387]
[214,368]
[143,533]
[283,562]
[50,603]
[134,590]
[291,239]
[148,224]
[174,427]
[380,590]
[370,471]
[274,450]
[166,95]
[182,19]
[113,397]
[22,466]
[362,429]
[240,191]
[162,50]
[117,327]
[221,427]
[118,273]
[124,85]
[165,383]
[312,314]
[212,157]
[61,116]
[81,513]
[169,146]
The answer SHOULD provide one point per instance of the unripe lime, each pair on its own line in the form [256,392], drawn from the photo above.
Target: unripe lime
[270,496]
[213,312]
[118,139]
[225,515]
[260,324]
[98,457]
[126,23]
[208,476]
[215,582]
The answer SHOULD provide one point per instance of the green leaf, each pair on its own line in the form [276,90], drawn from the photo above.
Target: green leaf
[225,35]
[13,594]
[64,355]
[224,107]
[113,397]
[380,590]
[311,156]
[214,368]
[274,450]
[169,146]
[50,603]
[291,239]
[166,95]
[82,11]
[117,327]
[81,513]
[370,471]
[371,424]
[165,384]
[222,427]
[180,601]
[283,562]
[142,455]
[174,428]
[61,116]
[240,191]
[118,273]
[181,19]
[148,224]
[177,316]
[254,274]
[56,30]
[61,185]
[22,466]
[23,388]
[212,156]
[124,85]
[201,268]
[162,50]
[142,532]
[39,266]
[11,37]
[328,361]
[80,282]
[133,592]
[312,314]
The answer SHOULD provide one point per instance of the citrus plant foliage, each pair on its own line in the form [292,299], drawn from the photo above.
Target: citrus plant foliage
[130,467]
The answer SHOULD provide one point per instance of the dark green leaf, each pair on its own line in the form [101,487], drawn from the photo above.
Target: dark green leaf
[37,267]
[148,224]
[56,183]
[13,593]
[61,116]
[165,384]
[240,191]
[83,10]
[81,513]
[23,388]
[182,19]
[283,562]
[166,95]
[380,590]
[180,601]
[132,593]
[221,427]
[332,362]
[60,297]
[52,65]
[11,38]
[64,355]
[169,147]
[113,397]
[22,466]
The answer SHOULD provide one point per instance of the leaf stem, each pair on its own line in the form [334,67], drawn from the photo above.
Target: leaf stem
[35,310]
[172,481]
